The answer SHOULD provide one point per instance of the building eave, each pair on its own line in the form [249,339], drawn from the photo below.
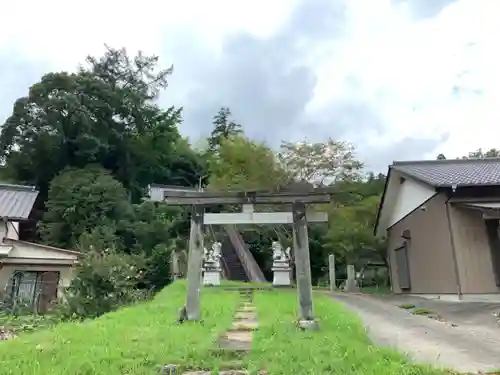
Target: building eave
[382,200]
[47,247]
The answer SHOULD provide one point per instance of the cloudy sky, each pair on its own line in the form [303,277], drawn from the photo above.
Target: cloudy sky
[401,79]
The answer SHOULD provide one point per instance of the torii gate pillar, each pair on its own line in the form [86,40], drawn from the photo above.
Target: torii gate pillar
[195,263]
[303,267]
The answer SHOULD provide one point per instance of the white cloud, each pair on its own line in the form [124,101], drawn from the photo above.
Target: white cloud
[411,72]
[52,31]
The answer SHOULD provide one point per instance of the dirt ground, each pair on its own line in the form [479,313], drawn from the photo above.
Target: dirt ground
[466,339]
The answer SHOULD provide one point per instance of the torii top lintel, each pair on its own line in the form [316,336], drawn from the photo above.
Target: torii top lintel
[182,198]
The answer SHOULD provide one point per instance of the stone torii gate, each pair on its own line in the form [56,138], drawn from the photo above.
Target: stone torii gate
[298,217]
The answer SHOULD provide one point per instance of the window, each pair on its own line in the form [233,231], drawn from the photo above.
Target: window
[36,288]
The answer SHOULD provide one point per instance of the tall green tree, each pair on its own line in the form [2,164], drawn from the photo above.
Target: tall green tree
[81,200]
[243,164]
[320,163]
[352,219]
[480,154]
[104,114]
[223,128]
[477,154]
[441,157]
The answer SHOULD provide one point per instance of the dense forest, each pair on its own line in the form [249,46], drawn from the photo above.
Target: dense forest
[92,140]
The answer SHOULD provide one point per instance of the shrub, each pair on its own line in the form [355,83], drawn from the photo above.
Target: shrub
[104,281]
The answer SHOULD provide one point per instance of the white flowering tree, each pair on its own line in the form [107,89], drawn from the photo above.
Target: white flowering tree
[320,163]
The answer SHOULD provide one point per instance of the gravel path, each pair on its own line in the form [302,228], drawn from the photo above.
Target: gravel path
[462,348]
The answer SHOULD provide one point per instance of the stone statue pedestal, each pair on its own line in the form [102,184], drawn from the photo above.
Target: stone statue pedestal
[281,273]
[281,265]
[211,274]
[211,265]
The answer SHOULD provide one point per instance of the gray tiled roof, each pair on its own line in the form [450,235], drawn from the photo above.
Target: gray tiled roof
[16,201]
[452,172]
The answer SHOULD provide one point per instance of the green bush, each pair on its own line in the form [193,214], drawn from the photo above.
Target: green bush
[104,281]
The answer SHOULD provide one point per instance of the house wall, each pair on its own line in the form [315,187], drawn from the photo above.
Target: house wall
[30,257]
[430,254]
[410,195]
[66,274]
[9,230]
[472,251]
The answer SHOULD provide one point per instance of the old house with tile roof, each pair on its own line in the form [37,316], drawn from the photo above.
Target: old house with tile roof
[441,221]
[31,272]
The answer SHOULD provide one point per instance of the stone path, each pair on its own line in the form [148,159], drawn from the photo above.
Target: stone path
[237,341]
[239,337]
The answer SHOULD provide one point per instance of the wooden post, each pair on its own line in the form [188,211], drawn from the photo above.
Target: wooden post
[303,266]
[331,272]
[195,263]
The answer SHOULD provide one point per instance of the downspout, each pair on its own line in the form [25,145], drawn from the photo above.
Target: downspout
[6,225]
[453,248]
[389,265]
[1,260]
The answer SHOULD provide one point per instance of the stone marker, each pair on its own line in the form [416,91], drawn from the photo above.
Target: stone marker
[175,265]
[350,284]
[331,272]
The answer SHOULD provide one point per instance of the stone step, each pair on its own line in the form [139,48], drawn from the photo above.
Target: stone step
[246,309]
[174,370]
[236,340]
[245,325]
[244,315]
[221,372]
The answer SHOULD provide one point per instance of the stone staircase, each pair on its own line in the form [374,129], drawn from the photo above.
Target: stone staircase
[233,268]
[244,257]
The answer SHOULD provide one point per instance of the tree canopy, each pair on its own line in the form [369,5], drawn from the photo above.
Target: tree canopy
[223,128]
[103,114]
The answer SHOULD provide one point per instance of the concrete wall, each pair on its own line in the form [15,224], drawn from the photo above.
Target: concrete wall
[430,254]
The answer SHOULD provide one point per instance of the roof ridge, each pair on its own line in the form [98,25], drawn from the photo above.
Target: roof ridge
[17,187]
[446,161]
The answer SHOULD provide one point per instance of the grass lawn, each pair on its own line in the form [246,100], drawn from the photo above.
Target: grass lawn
[340,347]
[132,341]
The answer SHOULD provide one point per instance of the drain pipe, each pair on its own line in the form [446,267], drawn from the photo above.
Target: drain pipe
[452,242]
